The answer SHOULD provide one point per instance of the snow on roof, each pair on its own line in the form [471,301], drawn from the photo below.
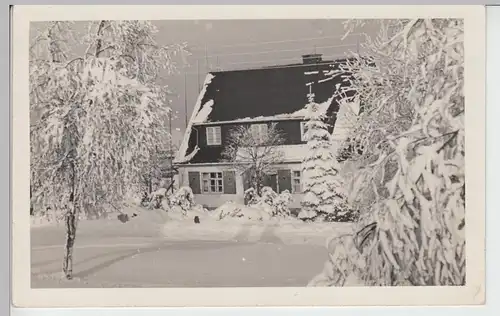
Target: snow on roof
[297,115]
[181,154]
[265,92]
[325,80]
[186,158]
[321,108]
[205,111]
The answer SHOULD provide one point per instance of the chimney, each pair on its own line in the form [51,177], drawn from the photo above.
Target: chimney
[312,58]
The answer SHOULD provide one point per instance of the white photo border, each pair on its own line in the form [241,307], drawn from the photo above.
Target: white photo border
[472,293]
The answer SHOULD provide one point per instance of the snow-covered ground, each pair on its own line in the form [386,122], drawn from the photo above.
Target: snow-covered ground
[155,249]
[285,231]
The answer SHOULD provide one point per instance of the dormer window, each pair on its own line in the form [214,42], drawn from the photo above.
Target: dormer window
[213,136]
[259,132]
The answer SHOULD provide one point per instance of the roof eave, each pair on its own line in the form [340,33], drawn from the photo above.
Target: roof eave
[202,164]
[251,120]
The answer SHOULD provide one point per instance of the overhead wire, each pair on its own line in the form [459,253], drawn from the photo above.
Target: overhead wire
[275,61]
[276,42]
[275,51]
[284,59]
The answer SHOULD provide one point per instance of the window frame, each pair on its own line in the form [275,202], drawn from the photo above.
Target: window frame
[293,178]
[219,182]
[303,131]
[213,131]
[260,132]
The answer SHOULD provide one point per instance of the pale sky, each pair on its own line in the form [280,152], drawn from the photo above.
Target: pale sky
[239,44]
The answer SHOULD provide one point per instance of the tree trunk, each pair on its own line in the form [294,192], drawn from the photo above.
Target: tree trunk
[150,184]
[70,221]
[31,200]
[256,182]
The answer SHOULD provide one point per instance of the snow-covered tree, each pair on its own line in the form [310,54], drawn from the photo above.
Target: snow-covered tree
[254,152]
[411,179]
[324,195]
[97,118]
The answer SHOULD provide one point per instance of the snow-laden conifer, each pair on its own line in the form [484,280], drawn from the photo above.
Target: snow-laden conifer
[324,195]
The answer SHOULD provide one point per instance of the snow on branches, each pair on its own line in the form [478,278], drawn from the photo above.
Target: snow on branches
[99,114]
[277,205]
[97,119]
[410,179]
[324,195]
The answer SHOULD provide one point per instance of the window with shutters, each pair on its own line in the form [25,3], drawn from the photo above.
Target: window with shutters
[259,132]
[303,131]
[211,182]
[213,135]
[296,183]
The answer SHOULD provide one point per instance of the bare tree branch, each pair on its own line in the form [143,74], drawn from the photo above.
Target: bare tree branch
[255,153]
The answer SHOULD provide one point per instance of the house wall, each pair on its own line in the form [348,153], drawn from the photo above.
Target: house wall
[216,200]
[212,200]
[290,130]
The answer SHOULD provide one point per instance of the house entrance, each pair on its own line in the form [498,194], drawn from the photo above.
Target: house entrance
[271,180]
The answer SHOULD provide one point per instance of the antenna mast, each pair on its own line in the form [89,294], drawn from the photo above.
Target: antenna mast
[185,100]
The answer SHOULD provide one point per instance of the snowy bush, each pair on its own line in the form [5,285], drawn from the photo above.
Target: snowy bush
[335,215]
[165,204]
[342,215]
[307,215]
[275,204]
[411,181]
[184,198]
[268,196]
[231,210]
[179,205]
[250,196]
[156,198]
[281,204]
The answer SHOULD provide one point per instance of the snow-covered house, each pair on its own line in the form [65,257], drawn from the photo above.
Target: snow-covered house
[258,97]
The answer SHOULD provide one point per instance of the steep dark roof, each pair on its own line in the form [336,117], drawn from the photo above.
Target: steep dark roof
[267,91]
[263,92]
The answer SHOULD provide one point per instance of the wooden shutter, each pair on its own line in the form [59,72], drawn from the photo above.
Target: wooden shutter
[284,180]
[217,135]
[210,135]
[229,182]
[194,182]
[247,180]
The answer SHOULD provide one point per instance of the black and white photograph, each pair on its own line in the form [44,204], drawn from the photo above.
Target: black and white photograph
[204,153]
